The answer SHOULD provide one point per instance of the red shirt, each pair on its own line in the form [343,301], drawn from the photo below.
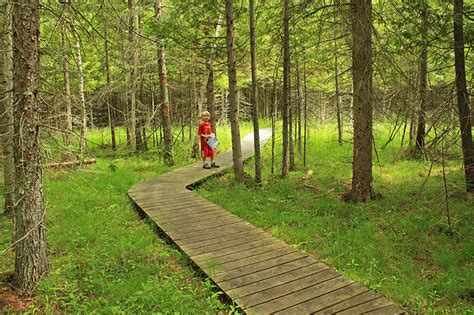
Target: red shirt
[204,129]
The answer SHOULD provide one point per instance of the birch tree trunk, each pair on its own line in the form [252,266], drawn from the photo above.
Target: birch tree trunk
[463,96]
[6,105]
[234,106]
[164,94]
[31,261]
[362,82]
[253,95]
[82,99]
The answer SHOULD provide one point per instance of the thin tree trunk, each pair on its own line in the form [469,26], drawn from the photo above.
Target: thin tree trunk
[463,96]
[298,106]
[290,125]
[211,102]
[362,82]
[67,84]
[209,77]
[110,116]
[420,131]
[338,103]
[253,96]
[164,93]
[305,112]
[6,105]
[31,261]
[286,73]
[234,106]
[83,136]
[133,71]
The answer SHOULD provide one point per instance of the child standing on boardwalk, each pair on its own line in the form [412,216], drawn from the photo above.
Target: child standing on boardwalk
[205,132]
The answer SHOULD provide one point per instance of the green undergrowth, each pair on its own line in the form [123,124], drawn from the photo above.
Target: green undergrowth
[103,257]
[399,245]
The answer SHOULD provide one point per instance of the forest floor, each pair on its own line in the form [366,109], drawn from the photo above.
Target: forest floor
[105,259]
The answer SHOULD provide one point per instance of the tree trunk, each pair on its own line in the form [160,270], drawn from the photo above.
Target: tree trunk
[463,96]
[362,83]
[31,261]
[67,84]
[6,109]
[133,71]
[234,106]
[298,106]
[211,102]
[290,124]
[253,95]
[420,131]
[338,103]
[286,73]
[110,116]
[164,94]
[305,112]
[83,136]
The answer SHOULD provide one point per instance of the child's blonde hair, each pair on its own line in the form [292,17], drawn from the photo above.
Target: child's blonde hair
[205,113]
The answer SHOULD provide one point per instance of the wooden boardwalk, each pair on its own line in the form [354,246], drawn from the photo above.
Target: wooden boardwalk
[258,272]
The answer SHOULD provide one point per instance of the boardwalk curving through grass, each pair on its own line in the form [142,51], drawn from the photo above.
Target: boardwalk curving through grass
[260,273]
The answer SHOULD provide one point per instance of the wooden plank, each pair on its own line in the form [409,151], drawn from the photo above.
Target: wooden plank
[214,232]
[316,304]
[278,280]
[389,309]
[236,250]
[189,200]
[223,243]
[292,293]
[185,218]
[247,261]
[200,223]
[258,271]
[201,226]
[271,272]
[371,305]
[165,215]
[236,231]
[191,244]
[239,257]
[353,301]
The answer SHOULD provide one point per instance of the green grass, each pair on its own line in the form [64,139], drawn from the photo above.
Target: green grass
[398,245]
[103,257]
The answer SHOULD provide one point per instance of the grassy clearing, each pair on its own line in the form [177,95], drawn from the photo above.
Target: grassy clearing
[103,258]
[398,245]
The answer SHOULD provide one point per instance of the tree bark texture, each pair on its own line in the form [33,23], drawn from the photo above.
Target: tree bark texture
[6,105]
[420,131]
[67,84]
[31,261]
[362,84]
[463,96]
[253,96]
[234,106]
[133,71]
[164,94]
[285,96]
